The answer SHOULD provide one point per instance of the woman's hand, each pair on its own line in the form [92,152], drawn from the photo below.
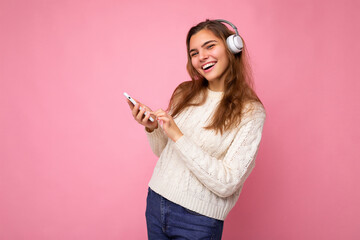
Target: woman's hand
[168,124]
[140,117]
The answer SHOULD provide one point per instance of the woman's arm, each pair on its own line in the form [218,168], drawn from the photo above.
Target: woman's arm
[155,135]
[157,140]
[224,177]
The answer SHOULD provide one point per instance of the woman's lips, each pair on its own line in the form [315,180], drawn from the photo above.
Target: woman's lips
[208,66]
[209,69]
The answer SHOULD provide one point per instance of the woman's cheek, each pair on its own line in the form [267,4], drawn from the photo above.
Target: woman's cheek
[193,63]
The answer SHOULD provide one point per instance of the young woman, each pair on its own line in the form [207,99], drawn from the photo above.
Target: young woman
[206,142]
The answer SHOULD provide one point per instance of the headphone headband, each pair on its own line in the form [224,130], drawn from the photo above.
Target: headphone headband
[232,25]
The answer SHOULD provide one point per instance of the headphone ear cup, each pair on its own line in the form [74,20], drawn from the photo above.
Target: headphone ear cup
[234,43]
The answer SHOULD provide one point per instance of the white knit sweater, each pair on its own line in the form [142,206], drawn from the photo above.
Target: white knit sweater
[204,171]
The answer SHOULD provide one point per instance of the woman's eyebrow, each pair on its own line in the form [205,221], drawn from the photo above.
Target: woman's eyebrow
[207,42]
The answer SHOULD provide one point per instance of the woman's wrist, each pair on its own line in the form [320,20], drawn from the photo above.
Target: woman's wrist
[177,136]
[149,130]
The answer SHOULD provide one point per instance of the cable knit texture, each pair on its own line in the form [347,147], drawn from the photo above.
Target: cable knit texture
[204,171]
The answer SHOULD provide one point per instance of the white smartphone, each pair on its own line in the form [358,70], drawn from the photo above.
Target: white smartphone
[134,102]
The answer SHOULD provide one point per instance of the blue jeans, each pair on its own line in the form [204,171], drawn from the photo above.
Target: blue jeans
[168,220]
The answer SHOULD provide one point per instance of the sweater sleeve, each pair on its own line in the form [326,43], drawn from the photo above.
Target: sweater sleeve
[157,140]
[224,177]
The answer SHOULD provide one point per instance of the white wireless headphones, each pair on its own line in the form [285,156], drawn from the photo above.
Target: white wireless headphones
[234,42]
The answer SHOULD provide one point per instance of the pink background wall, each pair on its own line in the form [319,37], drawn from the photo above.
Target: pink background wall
[74,164]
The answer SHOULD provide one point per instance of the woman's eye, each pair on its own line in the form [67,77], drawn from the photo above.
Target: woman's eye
[210,46]
[193,54]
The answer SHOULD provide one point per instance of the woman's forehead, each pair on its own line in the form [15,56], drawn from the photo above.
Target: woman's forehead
[201,37]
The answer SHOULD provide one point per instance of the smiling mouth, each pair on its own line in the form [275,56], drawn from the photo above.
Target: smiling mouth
[208,66]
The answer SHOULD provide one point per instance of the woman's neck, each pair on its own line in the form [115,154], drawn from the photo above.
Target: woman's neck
[216,86]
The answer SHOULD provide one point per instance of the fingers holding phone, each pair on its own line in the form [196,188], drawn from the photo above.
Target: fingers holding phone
[141,113]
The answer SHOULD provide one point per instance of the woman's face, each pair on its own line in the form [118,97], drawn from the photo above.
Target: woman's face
[209,58]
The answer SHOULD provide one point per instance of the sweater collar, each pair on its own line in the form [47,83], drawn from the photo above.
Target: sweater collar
[213,94]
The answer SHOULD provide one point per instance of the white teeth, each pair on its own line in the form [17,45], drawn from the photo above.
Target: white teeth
[208,65]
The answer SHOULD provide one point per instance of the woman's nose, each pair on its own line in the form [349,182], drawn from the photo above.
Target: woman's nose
[203,55]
